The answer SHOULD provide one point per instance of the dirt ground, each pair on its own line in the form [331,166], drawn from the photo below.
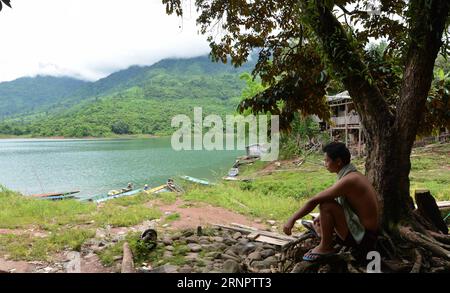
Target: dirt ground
[191,215]
[201,214]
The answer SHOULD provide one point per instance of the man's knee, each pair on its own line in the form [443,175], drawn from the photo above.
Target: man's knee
[328,207]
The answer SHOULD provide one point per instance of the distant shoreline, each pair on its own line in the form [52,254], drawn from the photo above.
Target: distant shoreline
[128,136]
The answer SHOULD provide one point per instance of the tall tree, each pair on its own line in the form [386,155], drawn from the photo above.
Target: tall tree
[304,43]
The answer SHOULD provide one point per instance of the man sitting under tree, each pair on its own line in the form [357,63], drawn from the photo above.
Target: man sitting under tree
[349,207]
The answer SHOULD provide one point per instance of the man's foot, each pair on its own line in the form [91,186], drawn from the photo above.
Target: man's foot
[317,253]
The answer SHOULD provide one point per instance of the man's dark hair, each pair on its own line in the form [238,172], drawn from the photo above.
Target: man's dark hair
[337,150]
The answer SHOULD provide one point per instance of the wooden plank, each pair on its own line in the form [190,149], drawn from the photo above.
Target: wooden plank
[244,226]
[253,235]
[270,240]
[248,231]
[266,233]
[443,204]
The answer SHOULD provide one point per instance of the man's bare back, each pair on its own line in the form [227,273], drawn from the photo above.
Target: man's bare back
[362,197]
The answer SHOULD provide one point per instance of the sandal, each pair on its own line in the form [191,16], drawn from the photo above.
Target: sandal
[314,257]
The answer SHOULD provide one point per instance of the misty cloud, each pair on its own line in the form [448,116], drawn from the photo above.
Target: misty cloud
[90,39]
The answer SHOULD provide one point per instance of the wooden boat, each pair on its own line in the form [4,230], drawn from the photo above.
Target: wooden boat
[196,180]
[55,194]
[105,197]
[158,189]
[59,197]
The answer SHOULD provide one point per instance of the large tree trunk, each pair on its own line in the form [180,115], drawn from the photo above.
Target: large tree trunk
[387,167]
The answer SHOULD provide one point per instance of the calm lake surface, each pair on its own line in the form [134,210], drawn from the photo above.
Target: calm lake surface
[97,166]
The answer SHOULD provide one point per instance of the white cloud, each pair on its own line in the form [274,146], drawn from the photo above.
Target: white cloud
[92,38]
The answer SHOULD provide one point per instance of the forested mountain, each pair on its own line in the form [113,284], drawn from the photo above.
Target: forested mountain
[140,99]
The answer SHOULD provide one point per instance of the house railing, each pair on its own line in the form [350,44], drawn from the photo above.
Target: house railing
[352,119]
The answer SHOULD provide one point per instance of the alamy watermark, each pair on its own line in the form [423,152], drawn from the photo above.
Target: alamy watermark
[374,265]
[236,133]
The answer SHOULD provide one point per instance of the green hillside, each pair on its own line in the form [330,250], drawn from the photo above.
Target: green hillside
[30,94]
[138,100]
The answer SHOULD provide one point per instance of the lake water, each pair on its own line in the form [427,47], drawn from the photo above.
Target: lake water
[97,166]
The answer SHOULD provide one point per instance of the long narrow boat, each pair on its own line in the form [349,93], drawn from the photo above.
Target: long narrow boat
[58,197]
[105,197]
[55,194]
[158,189]
[196,180]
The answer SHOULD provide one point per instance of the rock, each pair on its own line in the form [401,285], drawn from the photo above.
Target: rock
[271,222]
[232,251]
[165,225]
[191,257]
[242,249]
[230,257]
[254,256]
[219,246]
[237,235]
[192,239]
[167,254]
[185,269]
[266,263]
[167,213]
[117,257]
[267,252]
[175,237]
[229,241]
[231,267]
[169,248]
[243,241]
[214,255]
[167,241]
[187,233]
[204,242]
[259,221]
[165,269]
[90,255]
[194,247]
[217,239]
[208,247]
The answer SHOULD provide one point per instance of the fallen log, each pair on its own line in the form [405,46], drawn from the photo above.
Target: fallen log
[127,259]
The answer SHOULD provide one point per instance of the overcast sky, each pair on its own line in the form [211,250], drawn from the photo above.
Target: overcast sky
[90,39]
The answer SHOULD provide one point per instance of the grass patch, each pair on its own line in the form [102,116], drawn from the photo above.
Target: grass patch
[119,216]
[167,197]
[172,217]
[26,247]
[18,211]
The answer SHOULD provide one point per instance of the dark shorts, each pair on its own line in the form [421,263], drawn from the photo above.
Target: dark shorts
[367,244]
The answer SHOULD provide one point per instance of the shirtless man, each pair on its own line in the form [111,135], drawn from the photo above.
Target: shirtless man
[349,208]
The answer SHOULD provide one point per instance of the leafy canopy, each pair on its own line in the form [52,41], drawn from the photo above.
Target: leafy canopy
[291,61]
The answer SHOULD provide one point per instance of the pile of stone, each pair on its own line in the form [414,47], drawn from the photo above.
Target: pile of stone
[220,251]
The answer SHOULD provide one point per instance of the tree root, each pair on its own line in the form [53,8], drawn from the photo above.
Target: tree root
[411,249]
[415,238]
[440,237]
[418,264]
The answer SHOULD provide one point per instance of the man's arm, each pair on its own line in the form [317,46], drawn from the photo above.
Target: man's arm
[338,189]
